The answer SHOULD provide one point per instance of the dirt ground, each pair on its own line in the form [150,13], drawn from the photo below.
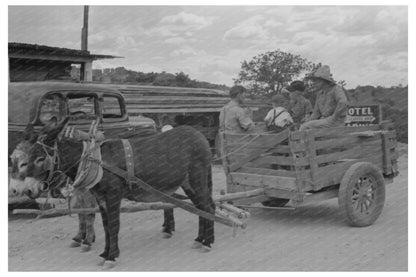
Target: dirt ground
[311,238]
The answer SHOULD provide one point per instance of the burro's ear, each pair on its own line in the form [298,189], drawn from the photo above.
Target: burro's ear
[28,132]
[53,131]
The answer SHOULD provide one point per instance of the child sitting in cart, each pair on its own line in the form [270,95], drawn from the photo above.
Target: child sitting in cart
[278,118]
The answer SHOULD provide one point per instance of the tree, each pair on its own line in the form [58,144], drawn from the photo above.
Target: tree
[266,74]
[342,83]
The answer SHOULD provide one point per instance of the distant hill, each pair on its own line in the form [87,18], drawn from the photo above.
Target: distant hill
[122,75]
[394,97]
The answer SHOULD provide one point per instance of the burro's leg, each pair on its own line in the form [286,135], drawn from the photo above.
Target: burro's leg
[89,232]
[200,193]
[168,223]
[77,240]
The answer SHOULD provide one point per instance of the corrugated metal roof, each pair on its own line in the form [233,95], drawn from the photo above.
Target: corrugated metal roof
[28,49]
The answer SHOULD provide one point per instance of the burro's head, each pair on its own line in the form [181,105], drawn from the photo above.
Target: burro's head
[34,160]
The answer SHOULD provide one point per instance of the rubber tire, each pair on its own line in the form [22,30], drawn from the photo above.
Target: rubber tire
[345,194]
[275,202]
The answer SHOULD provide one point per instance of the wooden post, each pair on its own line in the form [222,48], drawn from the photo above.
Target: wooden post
[387,166]
[84,32]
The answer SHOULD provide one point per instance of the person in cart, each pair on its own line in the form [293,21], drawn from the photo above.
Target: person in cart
[233,117]
[300,108]
[331,102]
[278,118]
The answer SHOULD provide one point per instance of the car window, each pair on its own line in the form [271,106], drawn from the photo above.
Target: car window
[111,107]
[81,107]
[50,108]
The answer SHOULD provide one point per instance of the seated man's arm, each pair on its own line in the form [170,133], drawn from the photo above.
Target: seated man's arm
[244,119]
[342,103]
[316,114]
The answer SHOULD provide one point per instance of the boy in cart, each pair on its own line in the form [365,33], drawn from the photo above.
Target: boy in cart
[278,118]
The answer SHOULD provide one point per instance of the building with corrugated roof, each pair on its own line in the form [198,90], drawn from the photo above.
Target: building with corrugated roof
[32,62]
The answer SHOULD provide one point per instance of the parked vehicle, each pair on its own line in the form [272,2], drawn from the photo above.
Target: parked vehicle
[38,102]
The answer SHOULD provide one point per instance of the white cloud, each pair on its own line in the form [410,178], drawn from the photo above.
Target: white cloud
[187,51]
[188,20]
[251,28]
[175,40]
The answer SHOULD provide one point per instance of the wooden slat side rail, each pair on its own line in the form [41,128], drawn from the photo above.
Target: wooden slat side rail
[387,166]
[276,160]
[263,181]
[361,150]
[345,141]
[301,181]
[332,174]
[266,171]
[311,153]
[342,131]
[284,149]
[274,140]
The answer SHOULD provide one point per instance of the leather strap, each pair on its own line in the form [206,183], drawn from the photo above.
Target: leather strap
[167,198]
[128,151]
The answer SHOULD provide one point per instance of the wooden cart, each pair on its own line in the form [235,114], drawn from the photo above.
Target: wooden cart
[351,163]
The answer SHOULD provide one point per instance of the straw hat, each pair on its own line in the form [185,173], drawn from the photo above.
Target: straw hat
[324,73]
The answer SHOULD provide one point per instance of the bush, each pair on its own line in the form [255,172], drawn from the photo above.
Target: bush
[400,121]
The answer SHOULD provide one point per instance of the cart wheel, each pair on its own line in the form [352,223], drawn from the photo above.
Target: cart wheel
[275,202]
[362,194]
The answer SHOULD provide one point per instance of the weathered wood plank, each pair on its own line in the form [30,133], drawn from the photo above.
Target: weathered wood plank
[387,167]
[342,141]
[239,195]
[275,140]
[311,154]
[359,151]
[319,196]
[279,182]
[332,174]
[268,160]
[281,193]
[251,200]
[266,171]
[341,131]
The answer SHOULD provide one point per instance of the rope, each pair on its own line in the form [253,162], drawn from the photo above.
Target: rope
[244,145]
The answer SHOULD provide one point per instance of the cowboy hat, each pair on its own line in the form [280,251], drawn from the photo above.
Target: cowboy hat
[324,73]
[296,86]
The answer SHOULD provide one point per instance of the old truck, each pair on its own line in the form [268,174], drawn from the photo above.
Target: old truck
[38,102]
[197,107]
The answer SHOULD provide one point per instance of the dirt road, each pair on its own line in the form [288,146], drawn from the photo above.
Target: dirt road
[312,238]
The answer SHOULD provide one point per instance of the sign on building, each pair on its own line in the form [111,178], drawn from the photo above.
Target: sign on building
[363,115]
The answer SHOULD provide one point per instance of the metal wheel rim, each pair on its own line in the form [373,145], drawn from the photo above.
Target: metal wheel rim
[364,195]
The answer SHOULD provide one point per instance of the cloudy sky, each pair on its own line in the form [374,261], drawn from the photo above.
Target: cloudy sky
[364,45]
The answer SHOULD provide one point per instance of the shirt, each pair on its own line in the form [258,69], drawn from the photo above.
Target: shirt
[330,102]
[234,119]
[300,109]
[283,117]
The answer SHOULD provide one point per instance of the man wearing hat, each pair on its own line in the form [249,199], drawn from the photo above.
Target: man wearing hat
[233,118]
[300,108]
[331,103]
